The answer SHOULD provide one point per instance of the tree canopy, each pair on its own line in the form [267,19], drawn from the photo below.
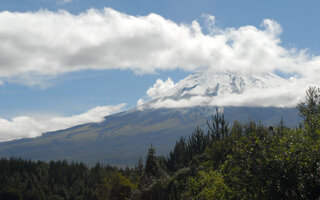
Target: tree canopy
[241,161]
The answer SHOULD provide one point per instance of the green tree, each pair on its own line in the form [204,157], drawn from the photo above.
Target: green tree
[151,166]
[178,157]
[197,142]
[218,127]
[207,185]
[310,109]
[120,187]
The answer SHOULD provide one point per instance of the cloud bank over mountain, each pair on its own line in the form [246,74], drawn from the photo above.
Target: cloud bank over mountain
[207,88]
[46,43]
[28,127]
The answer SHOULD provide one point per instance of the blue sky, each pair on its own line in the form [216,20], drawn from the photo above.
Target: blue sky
[66,93]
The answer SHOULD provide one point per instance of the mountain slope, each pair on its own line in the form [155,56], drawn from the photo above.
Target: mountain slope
[124,137]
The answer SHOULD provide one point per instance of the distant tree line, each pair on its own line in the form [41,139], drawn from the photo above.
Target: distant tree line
[242,161]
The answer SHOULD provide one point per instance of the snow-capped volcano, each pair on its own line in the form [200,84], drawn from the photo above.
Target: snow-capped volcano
[208,88]
[175,112]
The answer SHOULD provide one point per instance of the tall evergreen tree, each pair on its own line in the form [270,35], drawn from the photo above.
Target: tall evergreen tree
[218,128]
[151,167]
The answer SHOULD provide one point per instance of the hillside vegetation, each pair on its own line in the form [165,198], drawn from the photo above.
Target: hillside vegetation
[242,161]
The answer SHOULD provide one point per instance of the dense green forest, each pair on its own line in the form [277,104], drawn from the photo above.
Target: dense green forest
[241,161]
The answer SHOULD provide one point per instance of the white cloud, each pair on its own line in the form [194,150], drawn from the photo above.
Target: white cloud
[234,89]
[268,97]
[28,127]
[140,101]
[211,24]
[272,27]
[158,89]
[39,45]
[46,43]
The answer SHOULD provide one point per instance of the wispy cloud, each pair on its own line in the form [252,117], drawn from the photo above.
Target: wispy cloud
[49,43]
[28,127]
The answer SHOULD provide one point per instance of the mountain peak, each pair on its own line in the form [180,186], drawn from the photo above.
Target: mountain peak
[203,88]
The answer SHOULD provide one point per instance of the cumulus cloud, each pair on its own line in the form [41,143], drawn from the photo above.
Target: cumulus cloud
[158,89]
[42,44]
[46,43]
[28,127]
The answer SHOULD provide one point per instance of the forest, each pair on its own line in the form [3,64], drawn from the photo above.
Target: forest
[224,161]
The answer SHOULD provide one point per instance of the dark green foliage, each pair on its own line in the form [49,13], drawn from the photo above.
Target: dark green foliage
[152,166]
[197,142]
[178,157]
[119,187]
[218,128]
[247,161]
[250,162]
[310,109]
[9,193]
[21,179]
[187,150]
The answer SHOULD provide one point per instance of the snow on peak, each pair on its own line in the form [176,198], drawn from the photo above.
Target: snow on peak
[208,88]
[218,83]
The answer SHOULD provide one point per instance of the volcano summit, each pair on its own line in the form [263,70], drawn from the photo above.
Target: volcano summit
[124,137]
